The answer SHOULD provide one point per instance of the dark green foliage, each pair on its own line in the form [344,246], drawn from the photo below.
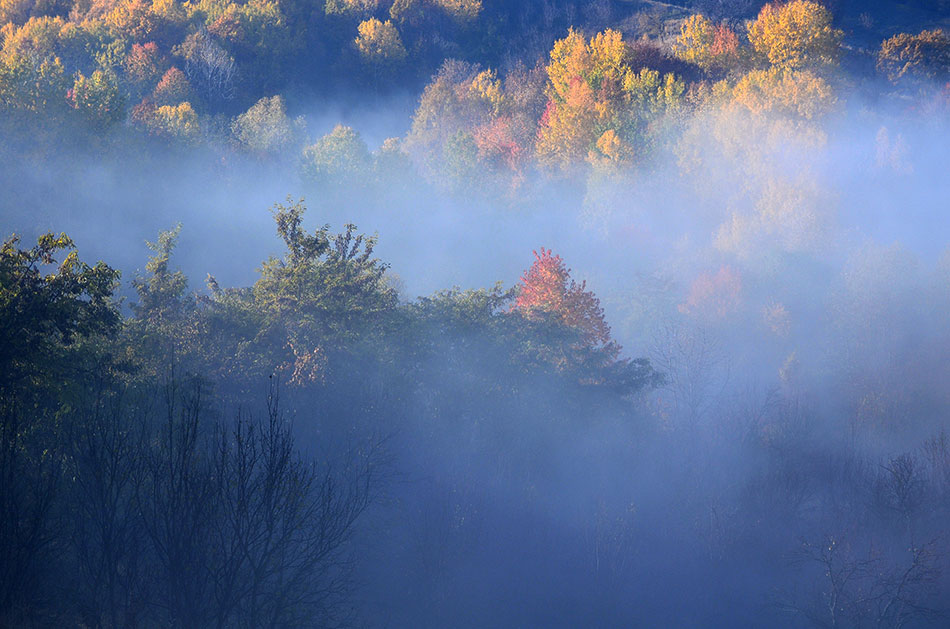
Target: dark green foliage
[48,311]
[47,307]
[117,461]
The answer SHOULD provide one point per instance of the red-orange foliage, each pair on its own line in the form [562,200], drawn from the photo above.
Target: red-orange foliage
[714,295]
[547,287]
[497,144]
[172,89]
[144,64]
[725,43]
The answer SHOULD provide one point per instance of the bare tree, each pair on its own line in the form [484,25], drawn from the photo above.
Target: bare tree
[30,484]
[107,538]
[865,589]
[175,498]
[691,361]
[209,67]
[284,524]
[243,531]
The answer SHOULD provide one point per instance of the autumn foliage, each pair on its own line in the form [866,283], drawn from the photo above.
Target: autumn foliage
[547,287]
[707,44]
[796,35]
[714,295]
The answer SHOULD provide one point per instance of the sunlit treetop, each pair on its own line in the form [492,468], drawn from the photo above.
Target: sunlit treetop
[707,44]
[547,287]
[379,42]
[795,35]
[593,89]
[922,56]
[460,10]
[797,94]
[600,63]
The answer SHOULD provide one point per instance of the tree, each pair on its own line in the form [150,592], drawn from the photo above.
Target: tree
[97,99]
[353,7]
[314,313]
[796,35]
[923,56]
[547,295]
[548,287]
[144,67]
[173,89]
[209,66]
[35,91]
[379,43]
[461,11]
[105,452]
[46,311]
[592,89]
[265,127]
[337,159]
[793,93]
[473,118]
[714,296]
[42,313]
[136,20]
[283,523]
[163,311]
[706,44]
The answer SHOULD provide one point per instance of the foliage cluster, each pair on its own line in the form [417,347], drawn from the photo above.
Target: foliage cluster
[120,461]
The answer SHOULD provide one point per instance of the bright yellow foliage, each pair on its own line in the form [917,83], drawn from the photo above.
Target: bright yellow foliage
[42,38]
[487,87]
[648,92]
[568,130]
[591,90]
[705,44]
[379,42]
[795,35]
[600,63]
[796,93]
[178,121]
[16,11]
[610,152]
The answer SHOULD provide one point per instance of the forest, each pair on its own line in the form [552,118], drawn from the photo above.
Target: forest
[468,313]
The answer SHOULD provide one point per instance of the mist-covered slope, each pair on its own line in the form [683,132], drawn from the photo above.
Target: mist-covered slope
[475,313]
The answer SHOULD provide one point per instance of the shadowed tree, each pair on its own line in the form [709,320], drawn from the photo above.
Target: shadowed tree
[46,310]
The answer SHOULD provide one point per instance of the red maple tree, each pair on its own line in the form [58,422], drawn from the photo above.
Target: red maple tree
[547,287]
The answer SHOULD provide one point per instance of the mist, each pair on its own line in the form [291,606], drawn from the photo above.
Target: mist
[758,438]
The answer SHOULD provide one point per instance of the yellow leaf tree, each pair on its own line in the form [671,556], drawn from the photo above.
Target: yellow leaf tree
[923,56]
[796,35]
[706,44]
[800,94]
[379,42]
[592,89]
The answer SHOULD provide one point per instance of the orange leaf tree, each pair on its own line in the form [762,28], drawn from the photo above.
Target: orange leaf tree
[547,287]
[548,294]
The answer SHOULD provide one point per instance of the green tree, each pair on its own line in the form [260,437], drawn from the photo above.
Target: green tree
[47,311]
[313,313]
[97,99]
[265,127]
[337,159]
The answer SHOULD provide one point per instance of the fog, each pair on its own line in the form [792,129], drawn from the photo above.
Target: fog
[790,283]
